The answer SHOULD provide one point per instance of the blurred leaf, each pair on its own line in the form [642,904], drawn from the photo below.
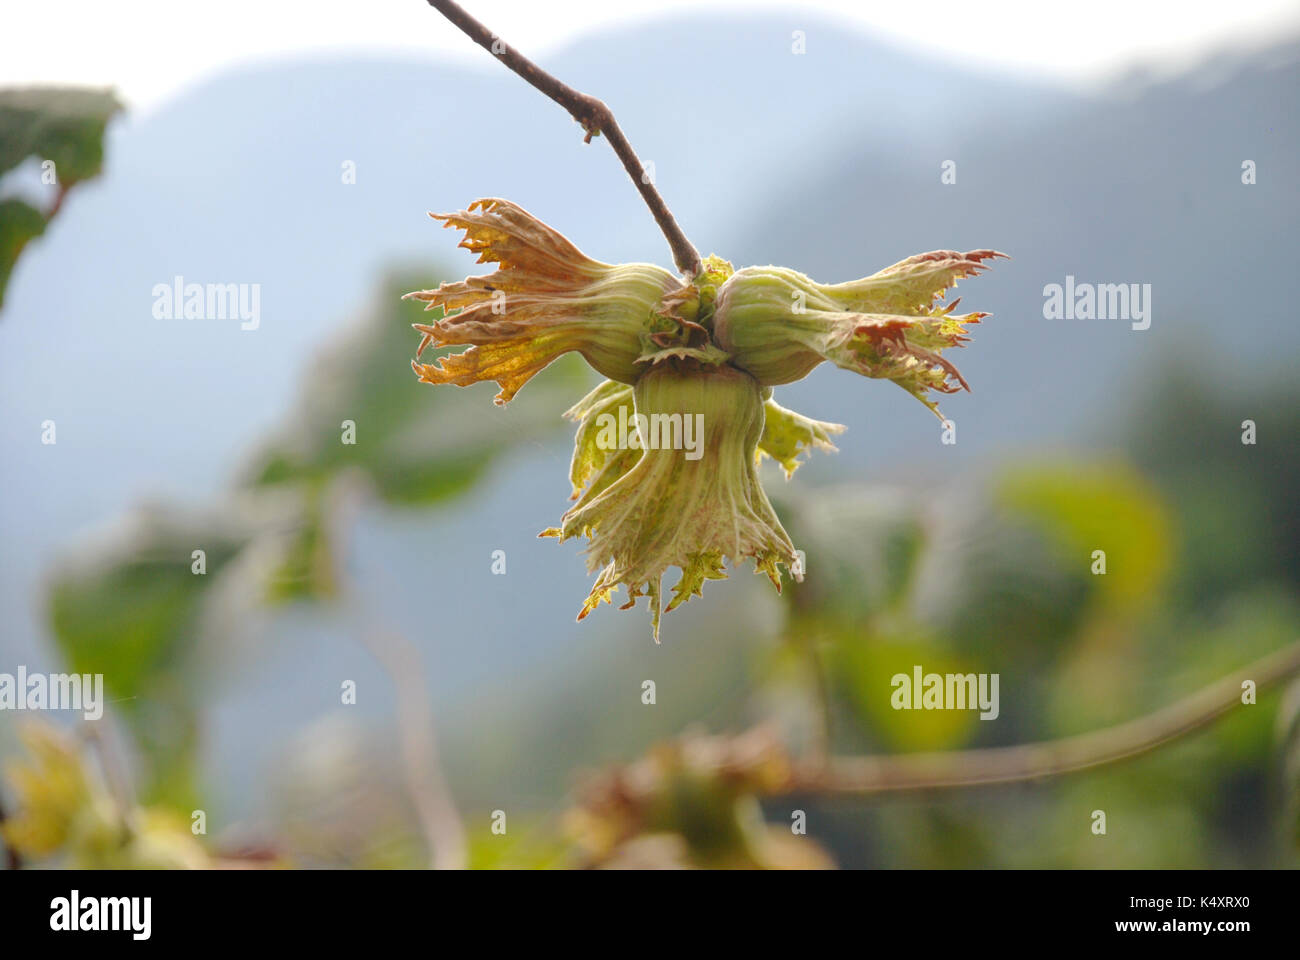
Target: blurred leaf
[51,786]
[128,607]
[132,609]
[60,124]
[1009,594]
[1230,533]
[65,811]
[1148,822]
[1234,499]
[862,546]
[19,223]
[418,444]
[63,124]
[1090,507]
[865,671]
[525,846]
[122,607]
[307,567]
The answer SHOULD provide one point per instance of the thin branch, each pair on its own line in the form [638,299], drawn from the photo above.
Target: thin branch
[822,733]
[594,116]
[59,197]
[970,768]
[426,784]
[116,777]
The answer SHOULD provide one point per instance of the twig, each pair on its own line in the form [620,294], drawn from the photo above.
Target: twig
[59,197]
[116,777]
[822,733]
[970,768]
[594,116]
[426,784]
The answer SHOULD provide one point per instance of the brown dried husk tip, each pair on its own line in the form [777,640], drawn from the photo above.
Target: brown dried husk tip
[779,324]
[546,299]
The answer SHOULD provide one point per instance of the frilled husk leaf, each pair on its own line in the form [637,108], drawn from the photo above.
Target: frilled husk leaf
[596,465]
[778,324]
[546,299]
[786,436]
[666,509]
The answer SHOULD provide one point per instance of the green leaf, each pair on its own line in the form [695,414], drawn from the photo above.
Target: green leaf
[418,444]
[863,547]
[307,567]
[123,609]
[128,608]
[19,223]
[865,672]
[1104,507]
[63,124]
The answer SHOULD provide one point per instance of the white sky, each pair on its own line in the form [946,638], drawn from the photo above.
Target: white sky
[150,49]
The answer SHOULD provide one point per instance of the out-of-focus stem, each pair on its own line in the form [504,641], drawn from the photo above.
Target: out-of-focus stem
[427,786]
[115,775]
[1033,761]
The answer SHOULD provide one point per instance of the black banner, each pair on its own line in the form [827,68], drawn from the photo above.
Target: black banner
[336,908]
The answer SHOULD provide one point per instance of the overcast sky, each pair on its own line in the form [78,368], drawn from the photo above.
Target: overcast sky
[151,49]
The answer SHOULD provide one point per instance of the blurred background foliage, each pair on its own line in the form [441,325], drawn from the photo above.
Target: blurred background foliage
[62,127]
[132,607]
[994,578]
[992,574]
